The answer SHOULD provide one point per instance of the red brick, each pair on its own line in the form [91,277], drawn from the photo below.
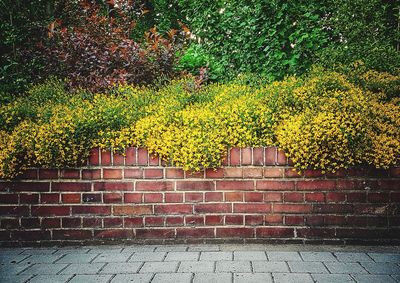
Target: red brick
[193,197]
[133,221]
[118,159]
[334,220]
[71,222]
[155,233]
[71,187]
[246,156]
[174,221]
[133,173]
[273,219]
[213,208]
[253,197]
[70,198]
[233,172]
[214,220]
[281,158]
[312,233]
[252,172]
[271,172]
[195,185]
[380,197]
[173,209]
[132,197]
[132,209]
[272,197]
[25,186]
[95,209]
[356,197]
[29,174]
[315,197]
[30,235]
[393,185]
[117,186]
[215,173]
[235,185]
[252,207]
[114,234]
[275,232]
[112,198]
[292,173]
[28,198]
[30,223]
[154,160]
[335,197]
[91,222]
[258,156]
[312,173]
[142,156]
[49,198]
[8,198]
[333,208]
[48,223]
[360,221]
[70,174]
[45,174]
[316,185]
[174,173]
[112,174]
[234,156]
[294,220]
[91,174]
[173,197]
[395,197]
[14,210]
[233,196]
[195,232]
[292,208]
[50,210]
[154,186]
[153,197]
[150,173]
[293,197]
[72,234]
[154,221]
[314,220]
[267,185]
[196,175]
[348,184]
[196,220]
[254,220]
[225,159]
[270,156]
[213,196]
[105,157]
[235,232]
[234,219]
[394,172]
[94,157]
[130,156]
[91,198]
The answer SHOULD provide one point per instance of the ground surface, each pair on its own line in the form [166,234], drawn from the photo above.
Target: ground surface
[201,263]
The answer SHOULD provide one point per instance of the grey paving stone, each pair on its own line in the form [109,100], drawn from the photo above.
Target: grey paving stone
[50,279]
[121,267]
[292,278]
[146,248]
[12,251]
[396,277]
[212,278]
[204,248]
[385,257]
[42,259]
[44,269]
[172,248]
[159,267]
[148,256]
[381,267]
[172,277]
[39,251]
[332,278]
[307,267]
[233,266]
[182,256]
[112,257]
[134,278]
[83,268]
[252,278]
[105,249]
[64,251]
[73,258]
[283,256]
[317,256]
[270,266]
[12,269]
[214,256]
[345,268]
[12,258]
[90,279]
[353,257]
[197,266]
[249,255]
[373,278]
[14,278]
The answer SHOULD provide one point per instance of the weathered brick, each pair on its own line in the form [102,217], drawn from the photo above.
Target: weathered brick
[14,210]
[313,173]
[91,174]
[253,197]
[49,223]
[133,197]
[312,232]
[130,156]
[233,172]
[334,220]
[294,220]
[235,232]
[292,208]
[132,210]
[195,232]
[215,173]
[94,222]
[25,186]
[271,172]
[213,196]
[273,219]
[8,198]
[258,156]
[333,208]
[94,159]
[155,233]
[29,174]
[30,235]
[234,196]
[50,198]
[154,186]
[70,198]
[133,173]
[267,185]
[214,220]
[252,172]
[46,174]
[153,173]
[234,219]
[142,156]
[51,210]
[270,156]
[28,198]
[194,175]
[292,173]
[70,187]
[316,185]
[153,221]
[252,207]
[30,223]
[254,220]
[153,197]
[173,209]
[154,160]
[133,222]
[173,197]
[105,157]
[112,198]
[293,197]
[281,158]
[194,220]
[174,173]
[235,185]
[246,156]
[234,154]
[213,208]
[174,221]
[94,209]
[194,197]
[354,197]
[335,197]
[70,174]
[118,159]
[112,173]
[275,232]
[315,197]
[195,185]
[113,186]
[114,234]
[91,198]
[69,222]
[273,197]
[72,234]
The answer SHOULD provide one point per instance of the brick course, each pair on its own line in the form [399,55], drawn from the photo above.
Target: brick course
[255,197]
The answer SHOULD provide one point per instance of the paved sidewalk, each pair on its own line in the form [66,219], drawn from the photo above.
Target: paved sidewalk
[201,263]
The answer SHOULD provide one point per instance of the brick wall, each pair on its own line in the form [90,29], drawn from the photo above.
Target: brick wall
[255,197]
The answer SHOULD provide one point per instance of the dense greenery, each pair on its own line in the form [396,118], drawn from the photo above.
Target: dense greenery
[324,119]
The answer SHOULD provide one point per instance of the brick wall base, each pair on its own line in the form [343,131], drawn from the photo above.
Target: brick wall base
[256,197]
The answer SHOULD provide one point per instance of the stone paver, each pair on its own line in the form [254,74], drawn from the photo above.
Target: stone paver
[42,259]
[13,269]
[216,256]
[121,267]
[197,266]
[317,256]
[373,278]
[148,256]
[159,267]
[90,279]
[182,256]
[292,278]
[353,257]
[45,268]
[83,268]
[168,248]
[233,266]
[132,278]
[112,257]
[73,258]
[385,257]
[14,278]
[308,267]
[252,278]
[249,255]
[12,258]
[283,256]
[270,266]
[332,278]
[381,267]
[50,279]
[345,268]
[212,278]
[172,277]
